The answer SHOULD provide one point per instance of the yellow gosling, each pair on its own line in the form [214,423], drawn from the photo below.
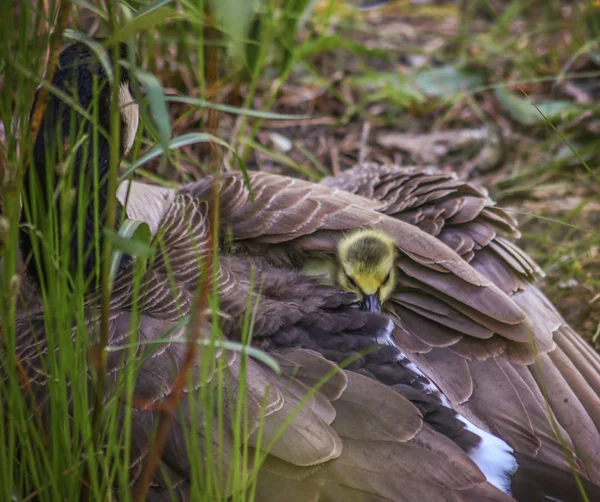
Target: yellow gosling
[367,266]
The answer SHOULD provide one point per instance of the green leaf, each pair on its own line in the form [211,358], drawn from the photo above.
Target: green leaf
[446,81]
[145,19]
[235,16]
[389,86]
[178,142]
[96,47]
[252,45]
[524,112]
[327,43]
[294,13]
[585,151]
[203,342]
[92,7]
[134,238]
[158,104]
[202,103]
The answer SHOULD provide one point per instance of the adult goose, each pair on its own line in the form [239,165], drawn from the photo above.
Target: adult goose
[381,432]
[470,318]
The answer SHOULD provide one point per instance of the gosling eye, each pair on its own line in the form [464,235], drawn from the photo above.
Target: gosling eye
[351,282]
[387,277]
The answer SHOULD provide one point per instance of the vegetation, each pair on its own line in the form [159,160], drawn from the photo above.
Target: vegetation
[503,91]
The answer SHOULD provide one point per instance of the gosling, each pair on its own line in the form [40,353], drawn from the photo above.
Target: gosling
[366,265]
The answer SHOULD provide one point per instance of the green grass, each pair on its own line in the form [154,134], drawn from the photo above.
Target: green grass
[76,453]
[81,450]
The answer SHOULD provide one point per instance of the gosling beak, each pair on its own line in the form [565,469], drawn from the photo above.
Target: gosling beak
[371,303]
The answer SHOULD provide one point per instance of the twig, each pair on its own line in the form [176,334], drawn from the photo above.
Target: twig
[37,115]
[39,106]
[233,138]
[335,157]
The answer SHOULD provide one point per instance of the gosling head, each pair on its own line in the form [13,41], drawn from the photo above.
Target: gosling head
[367,266]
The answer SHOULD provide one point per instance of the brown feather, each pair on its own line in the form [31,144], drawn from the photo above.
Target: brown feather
[464,218]
[297,219]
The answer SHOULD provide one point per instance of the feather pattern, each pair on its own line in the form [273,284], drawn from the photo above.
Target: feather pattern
[376,410]
[500,384]
[452,319]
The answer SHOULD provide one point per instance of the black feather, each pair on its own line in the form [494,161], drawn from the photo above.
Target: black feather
[83,79]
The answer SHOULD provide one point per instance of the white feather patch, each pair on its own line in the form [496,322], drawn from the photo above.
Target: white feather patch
[130,111]
[493,456]
[148,203]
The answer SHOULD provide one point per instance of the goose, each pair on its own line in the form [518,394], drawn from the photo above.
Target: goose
[378,430]
[489,345]
[383,429]
[468,316]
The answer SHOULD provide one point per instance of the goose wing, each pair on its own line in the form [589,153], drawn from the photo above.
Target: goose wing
[459,214]
[306,333]
[454,315]
[355,438]
[508,393]
[287,221]
[350,415]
